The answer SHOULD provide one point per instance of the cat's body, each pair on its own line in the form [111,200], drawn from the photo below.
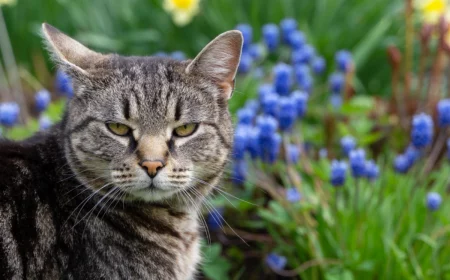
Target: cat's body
[112,192]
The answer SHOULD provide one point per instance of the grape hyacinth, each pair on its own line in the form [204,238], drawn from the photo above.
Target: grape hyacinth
[372,170]
[297,40]
[293,195]
[264,90]
[245,64]
[247,33]
[357,160]
[338,173]
[318,65]
[343,60]
[275,261]
[214,219]
[271,36]
[42,100]
[348,143]
[44,123]
[245,115]
[64,84]
[256,51]
[434,201]
[401,164]
[287,113]
[422,130]
[303,55]
[443,110]
[300,99]
[282,78]
[288,26]
[240,142]
[239,171]
[293,153]
[270,104]
[9,113]
[178,55]
[336,82]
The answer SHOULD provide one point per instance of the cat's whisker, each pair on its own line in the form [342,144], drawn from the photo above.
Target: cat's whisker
[199,213]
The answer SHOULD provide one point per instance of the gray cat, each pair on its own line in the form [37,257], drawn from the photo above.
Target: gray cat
[110,192]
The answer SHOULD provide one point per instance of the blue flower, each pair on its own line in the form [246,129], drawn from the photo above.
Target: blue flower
[239,172]
[42,99]
[240,141]
[303,77]
[401,164]
[323,153]
[247,33]
[253,145]
[64,84]
[372,170]
[270,104]
[256,51]
[271,36]
[44,123]
[293,195]
[297,40]
[336,100]
[343,60]
[9,113]
[275,261]
[270,146]
[443,109]
[318,65]
[287,113]
[178,55]
[267,125]
[282,78]
[412,154]
[422,130]
[336,82]
[245,116]
[288,25]
[357,160]
[252,105]
[300,99]
[338,173]
[348,143]
[434,201]
[245,64]
[215,219]
[258,73]
[293,153]
[303,55]
[264,90]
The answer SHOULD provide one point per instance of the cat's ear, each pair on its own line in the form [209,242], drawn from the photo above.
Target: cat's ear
[219,60]
[71,55]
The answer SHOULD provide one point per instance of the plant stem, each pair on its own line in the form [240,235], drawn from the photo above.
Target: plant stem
[11,68]
[436,151]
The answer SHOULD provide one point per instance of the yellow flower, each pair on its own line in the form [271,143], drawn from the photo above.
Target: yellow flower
[182,10]
[7,2]
[432,10]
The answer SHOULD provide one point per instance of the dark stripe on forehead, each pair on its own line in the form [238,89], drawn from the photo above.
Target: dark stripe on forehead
[178,110]
[126,108]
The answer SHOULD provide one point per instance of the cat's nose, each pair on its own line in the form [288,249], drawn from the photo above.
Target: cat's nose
[152,167]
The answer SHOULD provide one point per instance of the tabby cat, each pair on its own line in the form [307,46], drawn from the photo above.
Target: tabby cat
[111,191]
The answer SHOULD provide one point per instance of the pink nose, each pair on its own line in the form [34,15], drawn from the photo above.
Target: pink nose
[152,167]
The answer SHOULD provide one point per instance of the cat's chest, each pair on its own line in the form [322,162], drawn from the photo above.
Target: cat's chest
[157,248]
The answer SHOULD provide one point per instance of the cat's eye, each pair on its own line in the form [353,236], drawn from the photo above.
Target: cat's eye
[185,130]
[118,128]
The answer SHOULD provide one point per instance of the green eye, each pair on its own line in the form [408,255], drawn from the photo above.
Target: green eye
[118,128]
[185,130]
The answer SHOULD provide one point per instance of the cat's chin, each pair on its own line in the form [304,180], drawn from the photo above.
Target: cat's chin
[151,194]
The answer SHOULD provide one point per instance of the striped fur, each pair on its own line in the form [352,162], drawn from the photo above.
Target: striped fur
[74,201]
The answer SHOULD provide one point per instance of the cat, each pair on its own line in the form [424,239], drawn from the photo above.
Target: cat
[112,191]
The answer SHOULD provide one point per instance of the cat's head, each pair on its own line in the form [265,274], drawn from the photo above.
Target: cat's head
[148,128]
